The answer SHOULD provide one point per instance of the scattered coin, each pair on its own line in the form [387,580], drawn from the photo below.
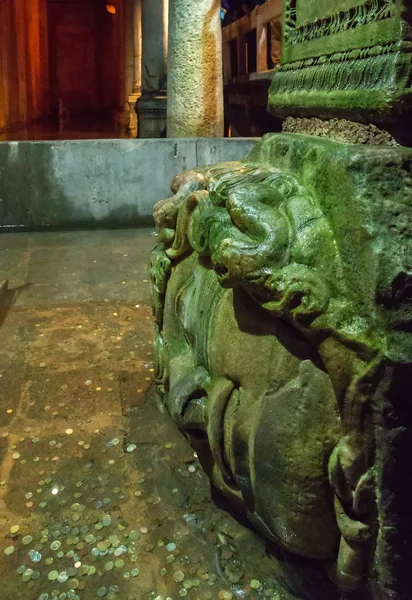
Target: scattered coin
[53,575]
[101,592]
[34,556]
[27,575]
[55,545]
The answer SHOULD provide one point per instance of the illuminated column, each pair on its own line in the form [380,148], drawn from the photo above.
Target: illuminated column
[134,91]
[137,24]
[151,108]
[195,79]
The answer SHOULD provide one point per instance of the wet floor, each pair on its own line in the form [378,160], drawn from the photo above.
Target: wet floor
[76,128]
[100,495]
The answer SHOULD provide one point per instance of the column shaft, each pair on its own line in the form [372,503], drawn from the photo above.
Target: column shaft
[137,23]
[195,81]
[154,45]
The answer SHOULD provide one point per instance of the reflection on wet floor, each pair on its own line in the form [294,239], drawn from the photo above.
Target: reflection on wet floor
[76,128]
[100,495]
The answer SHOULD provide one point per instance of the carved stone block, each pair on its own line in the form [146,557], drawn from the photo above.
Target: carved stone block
[282,292]
[344,58]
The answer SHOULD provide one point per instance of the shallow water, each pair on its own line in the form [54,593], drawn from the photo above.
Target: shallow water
[100,495]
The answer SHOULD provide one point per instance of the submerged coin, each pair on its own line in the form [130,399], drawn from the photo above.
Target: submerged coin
[55,545]
[27,540]
[89,538]
[27,575]
[120,550]
[53,575]
[102,546]
[34,556]
[9,550]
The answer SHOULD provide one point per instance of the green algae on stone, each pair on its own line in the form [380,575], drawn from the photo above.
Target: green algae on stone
[347,61]
[281,292]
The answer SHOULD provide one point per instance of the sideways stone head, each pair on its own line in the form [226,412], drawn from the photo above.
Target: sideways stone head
[269,358]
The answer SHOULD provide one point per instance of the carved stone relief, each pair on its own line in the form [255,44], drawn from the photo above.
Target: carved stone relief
[343,59]
[282,297]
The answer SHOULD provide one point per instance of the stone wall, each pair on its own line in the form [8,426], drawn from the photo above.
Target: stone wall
[92,182]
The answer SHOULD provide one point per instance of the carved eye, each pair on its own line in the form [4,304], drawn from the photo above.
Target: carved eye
[221,270]
[400,292]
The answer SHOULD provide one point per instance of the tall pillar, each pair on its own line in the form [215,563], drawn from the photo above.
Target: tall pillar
[151,108]
[134,92]
[137,24]
[195,80]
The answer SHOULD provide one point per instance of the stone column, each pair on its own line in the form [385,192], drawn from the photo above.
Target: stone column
[195,79]
[137,24]
[151,108]
[137,66]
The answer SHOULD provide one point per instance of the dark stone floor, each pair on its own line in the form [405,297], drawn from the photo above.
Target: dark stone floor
[100,496]
[77,128]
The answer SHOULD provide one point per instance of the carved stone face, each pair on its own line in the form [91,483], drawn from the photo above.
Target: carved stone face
[283,309]
[265,402]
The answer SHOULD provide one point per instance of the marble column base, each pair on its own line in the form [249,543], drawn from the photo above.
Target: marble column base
[152,116]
